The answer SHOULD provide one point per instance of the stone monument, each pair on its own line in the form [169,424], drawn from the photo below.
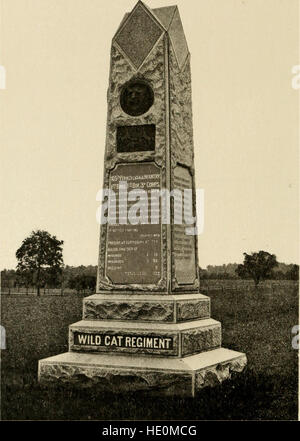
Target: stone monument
[147,327]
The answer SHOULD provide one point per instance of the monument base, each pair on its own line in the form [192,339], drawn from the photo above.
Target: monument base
[158,376]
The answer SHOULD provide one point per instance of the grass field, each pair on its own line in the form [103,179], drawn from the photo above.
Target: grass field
[257,323]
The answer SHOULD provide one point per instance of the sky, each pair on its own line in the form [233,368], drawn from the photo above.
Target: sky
[245,114]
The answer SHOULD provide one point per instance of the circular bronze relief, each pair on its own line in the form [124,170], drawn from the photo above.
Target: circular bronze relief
[136,97]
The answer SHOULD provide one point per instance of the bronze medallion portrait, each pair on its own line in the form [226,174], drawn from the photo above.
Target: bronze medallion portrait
[136,97]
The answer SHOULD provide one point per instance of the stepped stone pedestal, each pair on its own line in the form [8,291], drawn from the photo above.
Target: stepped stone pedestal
[165,347]
[147,327]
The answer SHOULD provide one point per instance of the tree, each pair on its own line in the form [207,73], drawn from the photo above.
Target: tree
[39,254]
[24,277]
[82,282]
[257,266]
[294,272]
[202,273]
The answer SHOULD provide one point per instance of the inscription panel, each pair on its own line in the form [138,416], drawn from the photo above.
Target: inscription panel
[135,138]
[130,341]
[183,244]
[133,251]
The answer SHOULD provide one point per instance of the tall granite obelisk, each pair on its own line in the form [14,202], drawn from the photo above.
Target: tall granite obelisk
[147,327]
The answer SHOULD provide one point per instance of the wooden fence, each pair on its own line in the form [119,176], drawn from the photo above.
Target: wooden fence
[43,291]
[206,286]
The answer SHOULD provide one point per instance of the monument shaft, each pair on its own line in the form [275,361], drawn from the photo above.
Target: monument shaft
[150,127]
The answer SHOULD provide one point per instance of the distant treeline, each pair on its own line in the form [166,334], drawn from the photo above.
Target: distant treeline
[82,278]
[282,272]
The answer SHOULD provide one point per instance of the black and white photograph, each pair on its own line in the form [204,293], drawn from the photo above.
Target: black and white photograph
[149,213]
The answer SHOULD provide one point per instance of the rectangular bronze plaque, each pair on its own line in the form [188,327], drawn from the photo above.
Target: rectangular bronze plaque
[183,244]
[136,138]
[123,340]
[133,252]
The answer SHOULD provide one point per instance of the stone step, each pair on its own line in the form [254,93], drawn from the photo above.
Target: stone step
[158,376]
[146,307]
[159,339]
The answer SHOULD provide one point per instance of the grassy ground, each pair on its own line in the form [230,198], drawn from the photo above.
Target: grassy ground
[258,324]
